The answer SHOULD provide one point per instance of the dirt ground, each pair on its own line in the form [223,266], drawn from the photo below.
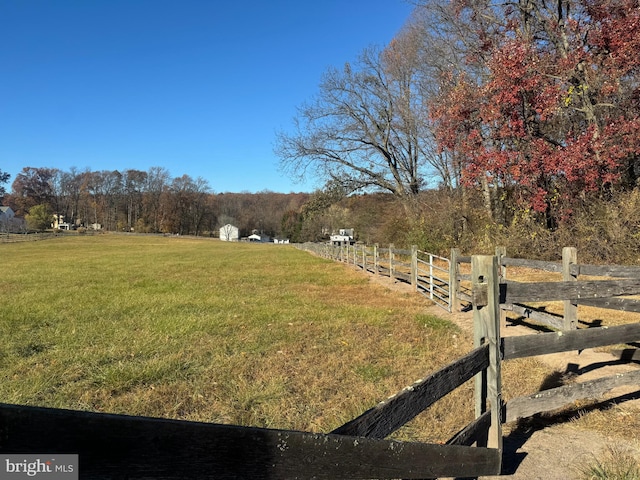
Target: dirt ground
[554,451]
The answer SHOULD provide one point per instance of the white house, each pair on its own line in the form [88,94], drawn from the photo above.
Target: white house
[59,223]
[229,233]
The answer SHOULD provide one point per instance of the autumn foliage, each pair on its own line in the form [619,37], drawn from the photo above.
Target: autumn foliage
[547,108]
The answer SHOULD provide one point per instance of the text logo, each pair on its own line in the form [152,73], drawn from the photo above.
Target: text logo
[49,467]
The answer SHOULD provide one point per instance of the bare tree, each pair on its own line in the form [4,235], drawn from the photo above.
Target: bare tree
[157,181]
[363,130]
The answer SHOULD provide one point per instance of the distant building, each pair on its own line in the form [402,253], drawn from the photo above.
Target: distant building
[343,237]
[59,223]
[6,219]
[6,213]
[9,222]
[257,237]
[229,233]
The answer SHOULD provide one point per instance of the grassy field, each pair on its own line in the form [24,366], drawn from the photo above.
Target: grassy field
[197,329]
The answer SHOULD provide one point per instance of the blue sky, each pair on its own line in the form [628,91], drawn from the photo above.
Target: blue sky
[198,87]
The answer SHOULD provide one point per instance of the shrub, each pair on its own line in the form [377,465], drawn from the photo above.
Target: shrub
[616,464]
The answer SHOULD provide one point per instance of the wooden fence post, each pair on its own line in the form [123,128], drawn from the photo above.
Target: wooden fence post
[501,252]
[414,267]
[486,320]
[391,272]
[569,257]
[375,259]
[454,302]
[431,276]
[355,254]
[364,258]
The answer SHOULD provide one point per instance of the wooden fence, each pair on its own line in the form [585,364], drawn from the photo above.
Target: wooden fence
[426,272]
[491,293]
[36,236]
[571,271]
[25,237]
[118,446]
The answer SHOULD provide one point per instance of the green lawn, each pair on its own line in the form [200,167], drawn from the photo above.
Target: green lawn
[198,329]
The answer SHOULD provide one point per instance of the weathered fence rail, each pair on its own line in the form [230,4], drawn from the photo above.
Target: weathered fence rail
[620,281]
[119,446]
[490,294]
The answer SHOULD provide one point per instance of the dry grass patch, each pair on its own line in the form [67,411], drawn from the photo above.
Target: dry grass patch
[612,420]
[618,462]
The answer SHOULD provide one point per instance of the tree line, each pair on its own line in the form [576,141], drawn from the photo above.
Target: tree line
[528,108]
[143,202]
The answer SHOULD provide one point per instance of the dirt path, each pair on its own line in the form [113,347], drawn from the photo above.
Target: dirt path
[556,451]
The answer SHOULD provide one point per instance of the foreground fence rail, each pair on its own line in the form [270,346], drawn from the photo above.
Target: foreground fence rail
[118,446]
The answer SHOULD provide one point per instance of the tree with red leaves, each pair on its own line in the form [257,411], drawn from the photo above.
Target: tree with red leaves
[554,114]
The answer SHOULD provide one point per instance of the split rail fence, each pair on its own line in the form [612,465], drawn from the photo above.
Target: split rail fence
[491,294]
[571,271]
[118,446]
[426,272]
[25,237]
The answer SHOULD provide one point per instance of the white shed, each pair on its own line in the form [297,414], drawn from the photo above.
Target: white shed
[229,233]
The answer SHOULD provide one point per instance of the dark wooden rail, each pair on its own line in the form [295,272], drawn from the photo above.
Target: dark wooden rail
[386,417]
[119,447]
